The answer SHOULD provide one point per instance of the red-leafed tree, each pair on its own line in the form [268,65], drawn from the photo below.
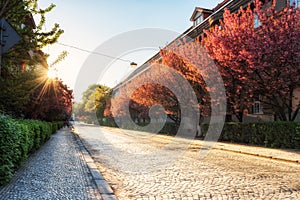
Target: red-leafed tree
[185,71]
[252,61]
[143,92]
[193,63]
[259,58]
[51,100]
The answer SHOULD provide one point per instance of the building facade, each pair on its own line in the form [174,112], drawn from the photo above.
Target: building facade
[203,19]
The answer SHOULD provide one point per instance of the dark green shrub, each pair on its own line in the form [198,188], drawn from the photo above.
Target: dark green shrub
[269,134]
[9,148]
[44,130]
[169,128]
[34,134]
[278,134]
[23,142]
[18,138]
[60,125]
[54,127]
[33,131]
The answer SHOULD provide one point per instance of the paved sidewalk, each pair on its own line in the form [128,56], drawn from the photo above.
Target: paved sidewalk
[56,171]
[287,155]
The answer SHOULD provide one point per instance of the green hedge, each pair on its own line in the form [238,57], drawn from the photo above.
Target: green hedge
[56,126]
[107,122]
[268,134]
[169,128]
[18,138]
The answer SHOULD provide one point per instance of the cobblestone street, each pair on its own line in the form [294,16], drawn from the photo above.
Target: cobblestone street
[56,171]
[220,175]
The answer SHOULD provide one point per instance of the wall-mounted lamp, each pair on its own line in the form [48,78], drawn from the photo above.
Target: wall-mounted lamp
[133,64]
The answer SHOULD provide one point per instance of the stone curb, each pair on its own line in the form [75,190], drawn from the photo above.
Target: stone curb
[104,188]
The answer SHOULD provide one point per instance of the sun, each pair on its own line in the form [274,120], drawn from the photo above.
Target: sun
[52,73]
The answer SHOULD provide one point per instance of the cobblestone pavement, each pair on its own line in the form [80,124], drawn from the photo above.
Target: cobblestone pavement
[56,171]
[220,175]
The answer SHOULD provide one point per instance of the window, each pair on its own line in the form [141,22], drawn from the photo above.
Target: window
[198,20]
[257,108]
[116,92]
[257,23]
[295,2]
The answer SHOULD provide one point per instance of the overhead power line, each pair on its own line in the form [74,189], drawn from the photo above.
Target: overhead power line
[94,52]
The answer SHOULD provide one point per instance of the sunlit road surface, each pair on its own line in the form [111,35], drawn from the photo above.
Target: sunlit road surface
[136,168]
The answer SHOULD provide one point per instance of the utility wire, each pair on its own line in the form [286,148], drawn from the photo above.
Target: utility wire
[93,52]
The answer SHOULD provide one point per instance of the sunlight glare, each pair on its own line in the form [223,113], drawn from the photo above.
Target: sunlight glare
[52,74]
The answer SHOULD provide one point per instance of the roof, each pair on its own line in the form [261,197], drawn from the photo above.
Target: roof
[220,5]
[199,9]
[233,5]
[205,10]
[191,32]
[145,65]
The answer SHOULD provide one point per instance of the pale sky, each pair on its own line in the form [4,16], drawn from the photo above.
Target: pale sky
[88,24]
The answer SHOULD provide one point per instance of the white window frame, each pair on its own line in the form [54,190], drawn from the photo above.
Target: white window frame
[257,108]
[198,20]
[257,23]
[297,3]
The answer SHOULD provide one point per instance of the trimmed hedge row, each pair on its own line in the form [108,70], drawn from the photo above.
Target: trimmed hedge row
[18,138]
[168,128]
[268,134]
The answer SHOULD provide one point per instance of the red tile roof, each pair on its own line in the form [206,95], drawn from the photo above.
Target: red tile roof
[220,5]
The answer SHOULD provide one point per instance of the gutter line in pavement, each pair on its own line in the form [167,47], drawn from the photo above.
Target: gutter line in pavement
[254,154]
[104,188]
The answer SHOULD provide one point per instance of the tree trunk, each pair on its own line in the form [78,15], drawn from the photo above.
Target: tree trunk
[240,116]
[295,114]
[228,118]
[290,108]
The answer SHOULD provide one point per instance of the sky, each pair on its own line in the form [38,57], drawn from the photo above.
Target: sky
[89,24]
